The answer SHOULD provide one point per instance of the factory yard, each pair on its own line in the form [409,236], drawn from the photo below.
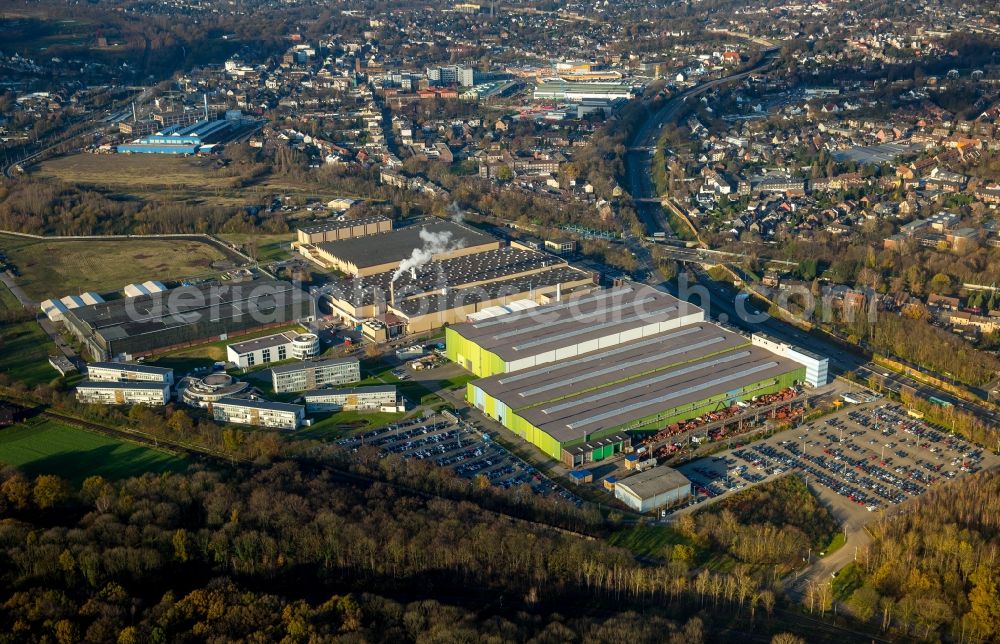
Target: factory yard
[458,446]
[871,457]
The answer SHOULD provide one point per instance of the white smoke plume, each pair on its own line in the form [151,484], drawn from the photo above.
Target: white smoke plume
[434,243]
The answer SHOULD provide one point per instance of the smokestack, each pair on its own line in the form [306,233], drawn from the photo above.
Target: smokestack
[205,96]
[392,293]
[134,117]
[559,292]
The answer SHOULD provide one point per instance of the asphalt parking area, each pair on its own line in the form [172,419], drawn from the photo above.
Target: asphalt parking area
[459,446]
[873,456]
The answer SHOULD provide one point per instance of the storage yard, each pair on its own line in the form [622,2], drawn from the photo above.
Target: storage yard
[871,457]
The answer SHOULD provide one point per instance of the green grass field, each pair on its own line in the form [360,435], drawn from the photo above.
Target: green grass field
[7,300]
[58,268]
[269,247]
[24,352]
[49,447]
[343,423]
[645,540]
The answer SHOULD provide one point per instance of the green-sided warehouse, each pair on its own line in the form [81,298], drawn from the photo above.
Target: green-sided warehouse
[573,378]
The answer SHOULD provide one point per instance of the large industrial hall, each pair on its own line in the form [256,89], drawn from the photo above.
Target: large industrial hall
[446,284]
[573,378]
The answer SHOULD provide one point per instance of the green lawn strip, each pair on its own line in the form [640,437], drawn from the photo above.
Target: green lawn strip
[24,352]
[49,447]
[343,423]
[848,579]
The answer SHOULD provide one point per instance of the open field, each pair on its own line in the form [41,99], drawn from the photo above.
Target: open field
[58,268]
[24,352]
[164,178]
[7,300]
[269,247]
[342,423]
[120,172]
[49,447]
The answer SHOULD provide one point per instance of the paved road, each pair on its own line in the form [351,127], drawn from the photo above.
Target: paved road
[17,291]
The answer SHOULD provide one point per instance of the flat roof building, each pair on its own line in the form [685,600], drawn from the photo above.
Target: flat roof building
[382,252]
[817,366]
[289,345]
[314,374]
[653,489]
[375,398]
[538,336]
[329,231]
[259,413]
[123,393]
[124,372]
[447,291]
[185,316]
[573,378]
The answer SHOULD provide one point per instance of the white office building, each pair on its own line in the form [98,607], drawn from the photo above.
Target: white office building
[260,413]
[123,393]
[315,374]
[273,348]
[377,398]
[124,372]
[817,367]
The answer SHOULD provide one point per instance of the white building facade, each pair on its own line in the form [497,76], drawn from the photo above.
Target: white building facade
[123,393]
[314,374]
[259,413]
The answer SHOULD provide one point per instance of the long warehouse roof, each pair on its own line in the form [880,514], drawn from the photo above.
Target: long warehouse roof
[395,245]
[567,323]
[538,385]
[621,402]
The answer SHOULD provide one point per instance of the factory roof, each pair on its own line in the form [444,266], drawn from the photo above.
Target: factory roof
[617,402]
[396,245]
[455,272]
[187,305]
[497,289]
[565,324]
[653,482]
[341,223]
[311,364]
[538,385]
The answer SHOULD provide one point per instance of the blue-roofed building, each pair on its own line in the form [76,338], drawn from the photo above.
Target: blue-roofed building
[196,138]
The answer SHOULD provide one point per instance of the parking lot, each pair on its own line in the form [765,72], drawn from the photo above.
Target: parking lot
[872,456]
[459,446]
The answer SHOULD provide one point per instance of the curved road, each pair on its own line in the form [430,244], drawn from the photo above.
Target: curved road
[638,161]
